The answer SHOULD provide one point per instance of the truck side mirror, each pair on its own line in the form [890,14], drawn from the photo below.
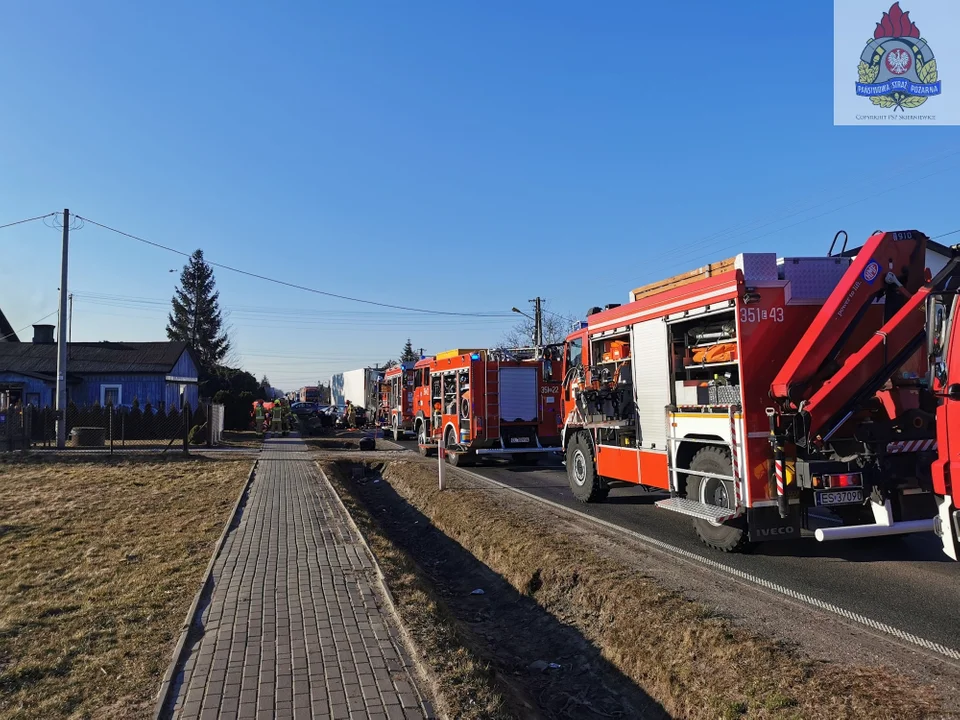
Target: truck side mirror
[953,391]
[933,333]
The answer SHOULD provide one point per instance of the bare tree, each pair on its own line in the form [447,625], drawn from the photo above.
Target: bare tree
[556,327]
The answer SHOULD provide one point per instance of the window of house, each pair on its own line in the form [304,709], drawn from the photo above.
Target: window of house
[110,395]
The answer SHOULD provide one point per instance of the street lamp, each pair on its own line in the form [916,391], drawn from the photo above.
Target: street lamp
[537,324]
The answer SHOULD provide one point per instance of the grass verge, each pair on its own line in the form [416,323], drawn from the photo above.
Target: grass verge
[99,561]
[695,664]
[463,684]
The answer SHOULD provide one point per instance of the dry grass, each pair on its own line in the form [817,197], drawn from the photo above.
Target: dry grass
[240,438]
[695,664]
[463,684]
[99,562]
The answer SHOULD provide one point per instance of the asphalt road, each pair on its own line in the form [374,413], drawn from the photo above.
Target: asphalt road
[906,582]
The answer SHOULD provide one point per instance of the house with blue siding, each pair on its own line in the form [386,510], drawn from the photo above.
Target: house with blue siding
[164,374]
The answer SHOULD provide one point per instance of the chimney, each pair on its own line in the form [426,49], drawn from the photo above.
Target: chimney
[43,334]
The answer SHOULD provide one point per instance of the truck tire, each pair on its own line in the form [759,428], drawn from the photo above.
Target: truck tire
[586,485]
[423,441]
[450,443]
[396,429]
[732,535]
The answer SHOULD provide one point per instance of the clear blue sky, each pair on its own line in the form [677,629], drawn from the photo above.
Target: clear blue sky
[449,155]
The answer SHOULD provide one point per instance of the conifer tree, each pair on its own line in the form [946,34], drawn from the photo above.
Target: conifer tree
[409,354]
[195,318]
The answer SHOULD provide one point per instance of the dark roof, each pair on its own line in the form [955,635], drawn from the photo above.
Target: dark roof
[92,358]
[6,330]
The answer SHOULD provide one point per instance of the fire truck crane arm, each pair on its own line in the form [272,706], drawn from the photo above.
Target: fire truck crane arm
[888,263]
[865,371]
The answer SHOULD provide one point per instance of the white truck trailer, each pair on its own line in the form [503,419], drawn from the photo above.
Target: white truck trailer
[361,387]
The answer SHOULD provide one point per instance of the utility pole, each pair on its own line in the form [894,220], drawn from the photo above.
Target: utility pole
[537,324]
[62,340]
[70,325]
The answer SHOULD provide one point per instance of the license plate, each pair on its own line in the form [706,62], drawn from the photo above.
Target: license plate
[519,439]
[838,497]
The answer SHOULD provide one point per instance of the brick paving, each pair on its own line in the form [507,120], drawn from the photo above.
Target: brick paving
[294,626]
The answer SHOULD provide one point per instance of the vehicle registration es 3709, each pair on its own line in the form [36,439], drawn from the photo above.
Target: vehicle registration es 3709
[826,498]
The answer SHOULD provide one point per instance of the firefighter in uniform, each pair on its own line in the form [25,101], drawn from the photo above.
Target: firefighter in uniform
[276,418]
[285,416]
[258,418]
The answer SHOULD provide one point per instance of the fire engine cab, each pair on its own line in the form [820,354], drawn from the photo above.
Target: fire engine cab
[396,399]
[489,403]
[774,398]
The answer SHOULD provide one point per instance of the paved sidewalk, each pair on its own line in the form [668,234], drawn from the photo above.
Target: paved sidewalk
[294,627]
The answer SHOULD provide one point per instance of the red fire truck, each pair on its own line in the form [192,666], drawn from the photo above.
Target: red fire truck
[489,402]
[777,398]
[396,399]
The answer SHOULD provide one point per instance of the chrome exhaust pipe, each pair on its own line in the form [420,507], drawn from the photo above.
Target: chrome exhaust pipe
[883,514]
[864,531]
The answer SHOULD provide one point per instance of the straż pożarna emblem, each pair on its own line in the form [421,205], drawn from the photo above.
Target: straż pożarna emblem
[897,67]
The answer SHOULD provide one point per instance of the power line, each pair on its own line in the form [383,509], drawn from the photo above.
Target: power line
[952,232]
[27,327]
[294,285]
[706,244]
[21,222]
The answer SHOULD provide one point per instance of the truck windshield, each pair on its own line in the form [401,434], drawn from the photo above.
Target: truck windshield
[574,352]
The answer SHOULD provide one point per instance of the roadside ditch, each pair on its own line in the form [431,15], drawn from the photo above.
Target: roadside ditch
[564,628]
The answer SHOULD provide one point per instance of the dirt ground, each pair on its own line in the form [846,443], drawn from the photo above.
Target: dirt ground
[99,561]
[585,609]
[495,653]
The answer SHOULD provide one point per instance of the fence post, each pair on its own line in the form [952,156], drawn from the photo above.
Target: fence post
[210,424]
[185,419]
[24,430]
[111,429]
[441,455]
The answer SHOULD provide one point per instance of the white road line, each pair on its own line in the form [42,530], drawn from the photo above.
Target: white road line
[767,584]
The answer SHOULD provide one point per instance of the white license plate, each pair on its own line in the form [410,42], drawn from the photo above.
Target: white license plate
[838,497]
[520,439]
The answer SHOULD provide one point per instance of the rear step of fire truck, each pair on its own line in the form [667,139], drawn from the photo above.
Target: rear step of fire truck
[701,511]
[714,514]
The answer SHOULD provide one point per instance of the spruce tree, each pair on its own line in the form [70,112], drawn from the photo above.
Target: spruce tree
[409,354]
[195,318]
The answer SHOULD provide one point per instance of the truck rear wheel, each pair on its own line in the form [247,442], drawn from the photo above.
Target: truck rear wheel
[396,429]
[730,536]
[457,459]
[586,485]
[423,441]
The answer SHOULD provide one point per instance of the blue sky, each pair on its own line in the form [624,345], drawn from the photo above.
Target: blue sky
[447,155]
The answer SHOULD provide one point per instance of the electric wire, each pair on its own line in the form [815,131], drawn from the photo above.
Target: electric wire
[27,327]
[698,248]
[26,220]
[815,217]
[294,285]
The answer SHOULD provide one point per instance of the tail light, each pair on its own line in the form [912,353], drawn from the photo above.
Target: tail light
[843,480]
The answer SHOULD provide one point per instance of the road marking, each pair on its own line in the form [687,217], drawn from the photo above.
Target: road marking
[761,582]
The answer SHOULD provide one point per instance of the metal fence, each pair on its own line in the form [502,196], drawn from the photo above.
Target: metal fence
[113,429]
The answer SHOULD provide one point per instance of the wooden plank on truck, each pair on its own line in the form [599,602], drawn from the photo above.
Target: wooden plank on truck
[686,278]
[455,353]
